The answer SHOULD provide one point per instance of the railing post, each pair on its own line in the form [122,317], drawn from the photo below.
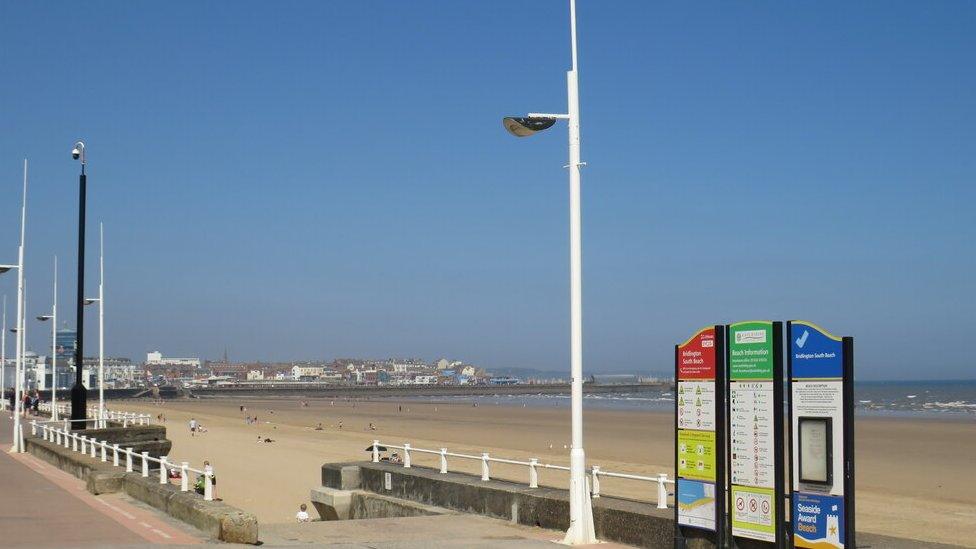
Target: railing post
[184,479]
[43,430]
[67,438]
[595,484]
[533,473]
[128,460]
[443,460]
[125,422]
[104,450]
[376,451]
[115,455]
[92,446]
[406,455]
[74,442]
[67,426]
[33,427]
[145,464]
[208,483]
[484,466]
[84,444]
[662,491]
[162,470]
[57,437]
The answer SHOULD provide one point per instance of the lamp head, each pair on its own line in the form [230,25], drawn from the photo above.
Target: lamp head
[526,126]
[79,151]
[90,300]
[42,318]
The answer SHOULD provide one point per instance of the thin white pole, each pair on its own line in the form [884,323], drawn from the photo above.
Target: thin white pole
[101,325]
[54,346]
[20,316]
[3,352]
[581,529]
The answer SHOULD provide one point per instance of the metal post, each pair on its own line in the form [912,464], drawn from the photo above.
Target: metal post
[484,466]
[54,346]
[443,460]
[19,363]
[93,446]
[533,473]
[79,394]
[595,483]
[184,480]
[33,427]
[406,455]
[208,483]
[581,529]
[145,464]
[101,322]
[74,442]
[115,455]
[104,450]
[662,491]
[162,470]
[84,444]
[376,451]
[128,460]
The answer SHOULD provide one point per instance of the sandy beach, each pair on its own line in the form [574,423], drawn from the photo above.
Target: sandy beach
[914,476]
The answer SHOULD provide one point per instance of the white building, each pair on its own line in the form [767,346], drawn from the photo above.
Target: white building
[299,372]
[156,358]
[255,375]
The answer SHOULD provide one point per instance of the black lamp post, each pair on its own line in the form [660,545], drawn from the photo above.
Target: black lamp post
[79,394]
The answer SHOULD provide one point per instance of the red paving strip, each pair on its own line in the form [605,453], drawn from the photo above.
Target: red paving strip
[34,510]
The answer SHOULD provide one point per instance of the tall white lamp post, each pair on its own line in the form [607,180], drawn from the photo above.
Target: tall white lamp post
[580,510]
[3,356]
[19,364]
[53,317]
[101,325]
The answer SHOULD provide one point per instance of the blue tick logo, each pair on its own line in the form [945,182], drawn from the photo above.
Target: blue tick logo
[802,340]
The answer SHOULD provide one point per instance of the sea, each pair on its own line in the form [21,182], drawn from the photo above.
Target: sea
[956,399]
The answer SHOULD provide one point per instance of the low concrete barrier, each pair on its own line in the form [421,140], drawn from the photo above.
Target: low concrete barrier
[623,521]
[217,519]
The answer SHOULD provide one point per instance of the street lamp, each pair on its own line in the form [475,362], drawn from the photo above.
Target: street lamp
[101,324]
[3,353]
[580,509]
[19,363]
[53,317]
[79,394]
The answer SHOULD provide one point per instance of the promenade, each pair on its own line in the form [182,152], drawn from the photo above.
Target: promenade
[41,506]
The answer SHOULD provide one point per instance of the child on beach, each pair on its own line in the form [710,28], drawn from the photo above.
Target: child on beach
[302,514]
[193,426]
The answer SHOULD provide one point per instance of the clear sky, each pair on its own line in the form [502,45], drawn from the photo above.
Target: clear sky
[321,179]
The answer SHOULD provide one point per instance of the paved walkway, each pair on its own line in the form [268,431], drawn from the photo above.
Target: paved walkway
[41,506]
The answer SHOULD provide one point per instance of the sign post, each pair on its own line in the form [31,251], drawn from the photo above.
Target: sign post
[699,373]
[820,372]
[755,433]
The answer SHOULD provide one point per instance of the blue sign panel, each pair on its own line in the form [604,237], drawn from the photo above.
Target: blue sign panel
[815,352]
[696,503]
[818,521]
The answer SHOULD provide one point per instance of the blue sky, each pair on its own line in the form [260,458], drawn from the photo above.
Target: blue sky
[321,179]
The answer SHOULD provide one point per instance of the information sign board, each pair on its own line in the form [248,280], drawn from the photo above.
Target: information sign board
[699,365]
[755,426]
[820,371]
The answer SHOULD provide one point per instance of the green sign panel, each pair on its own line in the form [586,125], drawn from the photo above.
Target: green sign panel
[696,454]
[751,350]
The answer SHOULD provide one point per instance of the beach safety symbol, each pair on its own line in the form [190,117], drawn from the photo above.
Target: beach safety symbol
[740,503]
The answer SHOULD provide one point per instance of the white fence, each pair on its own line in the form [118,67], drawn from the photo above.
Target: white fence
[533,466]
[61,435]
[125,418]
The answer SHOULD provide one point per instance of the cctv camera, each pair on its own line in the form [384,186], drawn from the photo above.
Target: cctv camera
[75,153]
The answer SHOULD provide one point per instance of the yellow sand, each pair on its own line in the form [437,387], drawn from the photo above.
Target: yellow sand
[915,476]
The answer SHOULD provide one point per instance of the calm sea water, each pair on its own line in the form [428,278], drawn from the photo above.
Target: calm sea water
[875,398]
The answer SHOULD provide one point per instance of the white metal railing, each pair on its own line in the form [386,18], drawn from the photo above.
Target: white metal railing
[90,446]
[125,418]
[533,465]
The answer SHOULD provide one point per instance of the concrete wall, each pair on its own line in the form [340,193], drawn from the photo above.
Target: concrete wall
[623,521]
[219,520]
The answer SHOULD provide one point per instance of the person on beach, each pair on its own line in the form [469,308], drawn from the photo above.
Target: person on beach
[340,424]
[302,514]
[371,426]
[193,427]
[318,427]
